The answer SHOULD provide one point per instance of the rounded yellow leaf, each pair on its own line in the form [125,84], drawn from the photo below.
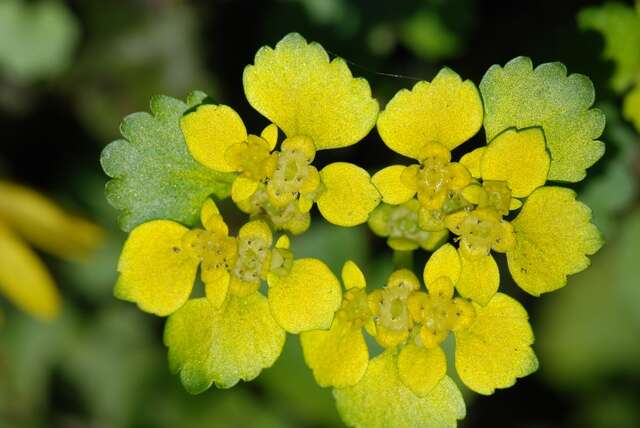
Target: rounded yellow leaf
[421,369]
[256,229]
[223,346]
[393,189]
[381,400]
[242,188]
[352,276]
[24,279]
[447,111]
[300,90]
[479,278]
[518,157]
[554,236]
[270,135]
[496,348]
[208,209]
[155,271]
[444,262]
[338,357]
[210,131]
[216,291]
[472,161]
[306,298]
[349,196]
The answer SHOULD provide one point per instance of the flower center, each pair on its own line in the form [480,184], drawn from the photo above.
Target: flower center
[394,313]
[481,231]
[217,252]
[291,171]
[253,158]
[251,264]
[355,309]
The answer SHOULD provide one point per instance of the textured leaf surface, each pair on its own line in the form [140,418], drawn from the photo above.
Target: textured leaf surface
[517,95]
[154,176]
[381,400]
[222,346]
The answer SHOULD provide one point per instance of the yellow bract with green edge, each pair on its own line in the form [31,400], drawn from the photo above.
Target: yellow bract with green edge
[318,105]
[28,217]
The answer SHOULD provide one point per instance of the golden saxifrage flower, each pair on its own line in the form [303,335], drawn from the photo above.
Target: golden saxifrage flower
[476,197]
[28,217]
[319,106]
[407,385]
[502,197]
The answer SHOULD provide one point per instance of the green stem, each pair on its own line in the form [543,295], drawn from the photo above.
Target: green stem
[403,259]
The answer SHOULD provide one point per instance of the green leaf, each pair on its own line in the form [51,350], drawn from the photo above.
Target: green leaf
[620,27]
[37,39]
[222,346]
[516,95]
[585,332]
[154,176]
[627,268]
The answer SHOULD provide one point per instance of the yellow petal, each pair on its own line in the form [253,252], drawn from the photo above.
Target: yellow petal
[300,90]
[270,135]
[210,131]
[306,298]
[421,369]
[479,278]
[393,189]
[447,111]
[256,229]
[45,225]
[518,157]
[216,291]
[444,262]
[338,357]
[283,242]
[352,276]
[155,271]
[302,144]
[381,400]
[514,204]
[241,288]
[472,161]
[223,346]
[554,236]
[242,188]
[24,279]
[208,209]
[349,196]
[496,349]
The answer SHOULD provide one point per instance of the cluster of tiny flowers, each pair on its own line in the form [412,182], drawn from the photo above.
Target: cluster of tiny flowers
[493,199]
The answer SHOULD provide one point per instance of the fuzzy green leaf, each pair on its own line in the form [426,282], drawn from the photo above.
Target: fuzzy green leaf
[620,27]
[222,346]
[516,95]
[154,176]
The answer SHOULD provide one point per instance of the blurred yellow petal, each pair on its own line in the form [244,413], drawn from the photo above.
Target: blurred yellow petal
[447,111]
[349,196]
[256,229]
[444,262]
[41,222]
[352,276]
[421,369]
[24,279]
[392,188]
[338,357]
[472,161]
[631,106]
[223,346]
[554,236]
[300,90]
[300,143]
[210,131]
[270,135]
[381,400]
[216,291]
[479,278]
[518,157]
[283,242]
[514,204]
[496,349]
[306,298]
[156,272]
[242,188]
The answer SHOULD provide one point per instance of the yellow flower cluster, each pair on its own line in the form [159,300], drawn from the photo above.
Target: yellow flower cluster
[493,199]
